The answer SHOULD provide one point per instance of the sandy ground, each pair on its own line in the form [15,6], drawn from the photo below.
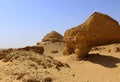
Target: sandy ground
[101,65]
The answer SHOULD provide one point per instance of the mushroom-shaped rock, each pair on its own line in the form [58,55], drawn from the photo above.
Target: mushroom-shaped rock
[53,37]
[99,29]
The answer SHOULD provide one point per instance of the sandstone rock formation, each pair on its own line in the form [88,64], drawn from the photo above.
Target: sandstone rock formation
[37,49]
[98,29]
[53,37]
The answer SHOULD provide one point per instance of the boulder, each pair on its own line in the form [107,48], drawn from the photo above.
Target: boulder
[99,29]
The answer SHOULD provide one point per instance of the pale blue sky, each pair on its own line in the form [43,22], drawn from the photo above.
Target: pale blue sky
[25,22]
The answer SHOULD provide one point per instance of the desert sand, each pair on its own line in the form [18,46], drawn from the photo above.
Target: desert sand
[101,65]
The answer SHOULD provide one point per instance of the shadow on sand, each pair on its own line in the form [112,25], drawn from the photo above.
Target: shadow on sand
[106,61]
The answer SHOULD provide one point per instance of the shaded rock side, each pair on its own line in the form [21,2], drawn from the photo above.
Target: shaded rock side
[99,29]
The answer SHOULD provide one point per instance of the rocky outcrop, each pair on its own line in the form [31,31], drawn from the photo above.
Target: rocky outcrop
[25,65]
[99,29]
[37,49]
[53,37]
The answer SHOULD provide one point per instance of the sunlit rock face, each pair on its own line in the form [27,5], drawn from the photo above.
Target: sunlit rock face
[99,29]
[53,37]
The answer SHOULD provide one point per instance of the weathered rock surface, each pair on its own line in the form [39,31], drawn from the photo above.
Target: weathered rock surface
[99,29]
[53,37]
[37,49]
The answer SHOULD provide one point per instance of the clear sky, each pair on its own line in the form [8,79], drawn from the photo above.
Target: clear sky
[25,22]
